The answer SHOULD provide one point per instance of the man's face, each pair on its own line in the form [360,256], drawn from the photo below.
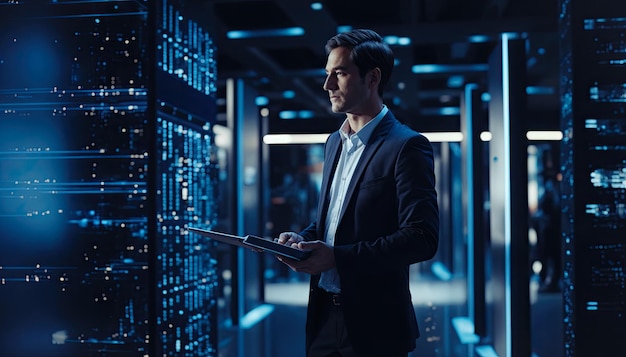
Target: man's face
[347,90]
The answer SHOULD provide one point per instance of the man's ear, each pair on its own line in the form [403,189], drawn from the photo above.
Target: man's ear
[374,76]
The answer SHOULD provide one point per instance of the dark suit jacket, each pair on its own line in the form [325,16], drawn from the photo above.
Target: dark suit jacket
[390,220]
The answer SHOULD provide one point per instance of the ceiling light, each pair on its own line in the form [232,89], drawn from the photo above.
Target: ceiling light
[448,68]
[456,81]
[316,5]
[539,90]
[547,135]
[273,139]
[284,32]
[445,111]
[478,38]
[344,28]
[396,40]
[296,114]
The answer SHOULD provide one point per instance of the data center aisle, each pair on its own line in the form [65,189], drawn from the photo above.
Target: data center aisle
[436,304]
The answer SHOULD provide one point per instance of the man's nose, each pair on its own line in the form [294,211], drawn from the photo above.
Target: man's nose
[328,83]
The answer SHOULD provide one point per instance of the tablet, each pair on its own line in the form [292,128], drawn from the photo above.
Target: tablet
[220,237]
[269,245]
[250,241]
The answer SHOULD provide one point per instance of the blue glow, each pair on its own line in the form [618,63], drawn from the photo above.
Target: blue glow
[441,271]
[344,28]
[317,6]
[478,38]
[404,41]
[450,111]
[306,114]
[464,328]
[485,97]
[293,114]
[486,351]
[396,40]
[261,100]
[469,166]
[256,315]
[286,32]
[287,114]
[441,111]
[592,305]
[506,119]
[456,81]
[448,68]
[289,94]
[539,90]
[391,40]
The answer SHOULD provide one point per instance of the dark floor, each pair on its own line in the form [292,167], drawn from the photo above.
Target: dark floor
[436,304]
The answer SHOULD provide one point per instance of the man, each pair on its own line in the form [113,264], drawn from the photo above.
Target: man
[377,213]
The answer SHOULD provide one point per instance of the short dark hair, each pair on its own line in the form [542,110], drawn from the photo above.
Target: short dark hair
[368,50]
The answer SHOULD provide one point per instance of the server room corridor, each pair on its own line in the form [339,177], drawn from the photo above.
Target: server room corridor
[437,304]
[125,123]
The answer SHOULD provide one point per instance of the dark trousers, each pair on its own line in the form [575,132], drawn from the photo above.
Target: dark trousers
[332,338]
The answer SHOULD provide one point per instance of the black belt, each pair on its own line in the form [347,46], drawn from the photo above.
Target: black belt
[333,299]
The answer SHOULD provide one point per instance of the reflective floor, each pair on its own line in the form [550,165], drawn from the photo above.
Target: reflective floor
[437,303]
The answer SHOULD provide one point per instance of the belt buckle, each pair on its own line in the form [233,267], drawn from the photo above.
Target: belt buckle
[336,299]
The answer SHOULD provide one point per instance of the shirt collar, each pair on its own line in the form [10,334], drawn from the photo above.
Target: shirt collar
[366,131]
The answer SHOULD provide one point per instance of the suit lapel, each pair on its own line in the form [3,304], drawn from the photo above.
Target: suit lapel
[332,154]
[377,138]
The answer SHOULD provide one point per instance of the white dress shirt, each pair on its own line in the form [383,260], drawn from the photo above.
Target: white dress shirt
[352,146]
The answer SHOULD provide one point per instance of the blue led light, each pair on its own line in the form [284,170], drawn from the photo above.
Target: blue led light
[317,6]
[288,114]
[256,315]
[456,81]
[306,114]
[404,41]
[391,40]
[261,100]
[344,28]
[284,32]
[540,90]
[448,68]
[478,38]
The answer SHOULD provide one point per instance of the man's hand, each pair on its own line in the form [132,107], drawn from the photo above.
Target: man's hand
[322,256]
[290,238]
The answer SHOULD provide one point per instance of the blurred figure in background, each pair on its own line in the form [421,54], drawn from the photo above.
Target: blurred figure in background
[548,227]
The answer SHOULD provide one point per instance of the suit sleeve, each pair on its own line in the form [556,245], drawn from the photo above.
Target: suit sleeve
[406,206]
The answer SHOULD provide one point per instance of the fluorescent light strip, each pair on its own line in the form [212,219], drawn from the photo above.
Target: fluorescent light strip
[274,139]
[554,135]
[444,137]
[435,137]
